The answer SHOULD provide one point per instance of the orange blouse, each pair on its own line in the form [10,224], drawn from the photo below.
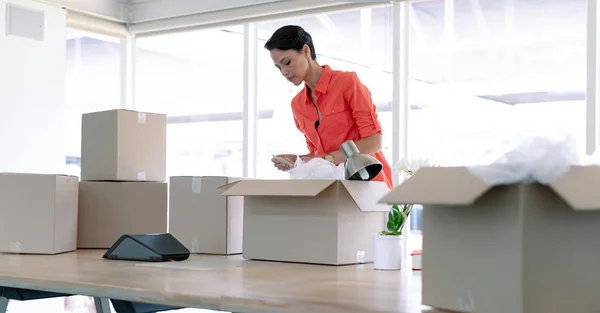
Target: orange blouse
[347,113]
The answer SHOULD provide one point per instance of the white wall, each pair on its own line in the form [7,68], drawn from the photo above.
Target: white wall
[32,95]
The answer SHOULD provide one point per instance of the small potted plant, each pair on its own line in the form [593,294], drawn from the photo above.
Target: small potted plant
[387,245]
[388,250]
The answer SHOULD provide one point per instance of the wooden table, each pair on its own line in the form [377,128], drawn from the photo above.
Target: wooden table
[219,283]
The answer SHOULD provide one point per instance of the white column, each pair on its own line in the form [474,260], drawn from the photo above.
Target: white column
[509,32]
[250,80]
[449,37]
[592,110]
[128,52]
[400,107]
[366,28]
[400,78]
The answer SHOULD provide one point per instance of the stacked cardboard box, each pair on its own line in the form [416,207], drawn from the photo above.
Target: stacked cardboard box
[38,213]
[123,187]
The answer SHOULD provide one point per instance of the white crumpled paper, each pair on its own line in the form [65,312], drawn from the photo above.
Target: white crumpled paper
[316,168]
[529,157]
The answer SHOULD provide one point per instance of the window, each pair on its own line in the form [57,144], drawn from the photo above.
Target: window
[92,84]
[358,40]
[473,64]
[196,78]
[479,68]
[205,149]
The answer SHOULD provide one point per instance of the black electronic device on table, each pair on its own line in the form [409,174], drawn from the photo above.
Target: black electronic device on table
[150,248]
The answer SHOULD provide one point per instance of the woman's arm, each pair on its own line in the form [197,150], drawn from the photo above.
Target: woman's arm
[364,112]
[367,145]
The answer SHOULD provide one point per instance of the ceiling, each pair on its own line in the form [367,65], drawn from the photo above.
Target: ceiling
[136,11]
[110,9]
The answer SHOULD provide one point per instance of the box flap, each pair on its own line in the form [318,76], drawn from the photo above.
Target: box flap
[367,194]
[229,185]
[438,185]
[278,187]
[578,186]
[38,174]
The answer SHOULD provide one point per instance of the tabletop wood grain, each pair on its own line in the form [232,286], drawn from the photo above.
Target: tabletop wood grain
[225,283]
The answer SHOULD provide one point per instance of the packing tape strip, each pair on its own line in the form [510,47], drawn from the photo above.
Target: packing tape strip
[15,247]
[466,302]
[195,245]
[196,184]
[141,118]
[360,256]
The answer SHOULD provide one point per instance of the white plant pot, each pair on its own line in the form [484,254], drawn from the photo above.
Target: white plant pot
[387,252]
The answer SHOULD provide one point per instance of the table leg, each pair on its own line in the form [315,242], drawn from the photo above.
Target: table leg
[3,304]
[102,305]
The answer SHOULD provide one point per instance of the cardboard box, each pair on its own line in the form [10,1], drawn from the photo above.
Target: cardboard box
[123,145]
[515,248]
[201,218]
[38,213]
[310,221]
[108,210]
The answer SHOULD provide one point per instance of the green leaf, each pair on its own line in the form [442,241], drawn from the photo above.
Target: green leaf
[388,233]
[392,215]
[397,217]
[407,208]
[390,225]
[404,219]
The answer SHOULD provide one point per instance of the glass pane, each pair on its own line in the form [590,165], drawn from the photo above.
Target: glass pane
[93,83]
[358,40]
[198,72]
[197,75]
[205,149]
[479,67]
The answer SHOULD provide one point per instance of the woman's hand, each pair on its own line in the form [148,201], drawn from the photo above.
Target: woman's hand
[284,162]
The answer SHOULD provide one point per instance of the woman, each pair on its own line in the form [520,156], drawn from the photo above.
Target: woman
[333,107]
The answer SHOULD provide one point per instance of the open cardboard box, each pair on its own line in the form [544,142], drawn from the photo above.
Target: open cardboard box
[516,248]
[310,221]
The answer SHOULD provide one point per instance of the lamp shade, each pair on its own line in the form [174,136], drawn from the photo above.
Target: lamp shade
[359,166]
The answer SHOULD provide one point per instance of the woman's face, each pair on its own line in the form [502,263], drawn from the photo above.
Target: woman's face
[292,64]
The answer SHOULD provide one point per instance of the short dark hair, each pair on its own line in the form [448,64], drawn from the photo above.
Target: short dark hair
[291,37]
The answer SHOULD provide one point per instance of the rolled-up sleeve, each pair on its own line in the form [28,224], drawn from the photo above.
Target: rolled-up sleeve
[363,108]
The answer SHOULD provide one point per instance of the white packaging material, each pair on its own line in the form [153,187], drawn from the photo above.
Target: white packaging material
[529,157]
[316,168]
